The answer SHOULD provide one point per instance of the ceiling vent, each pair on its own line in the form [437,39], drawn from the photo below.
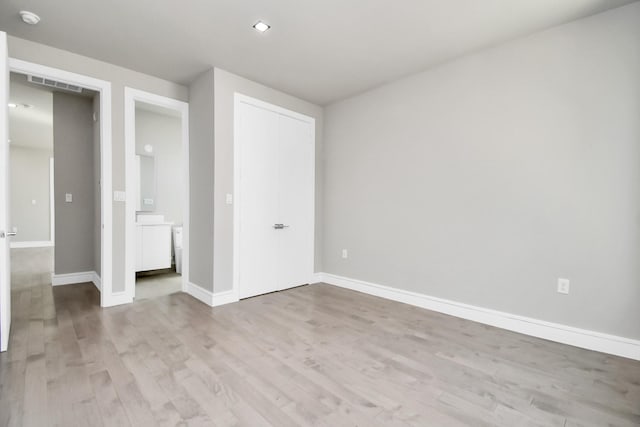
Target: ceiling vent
[54,84]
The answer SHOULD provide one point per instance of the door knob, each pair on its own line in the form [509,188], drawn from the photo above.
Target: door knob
[7,234]
[279,226]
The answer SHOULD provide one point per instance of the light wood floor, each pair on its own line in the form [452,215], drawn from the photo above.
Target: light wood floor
[314,355]
[157,285]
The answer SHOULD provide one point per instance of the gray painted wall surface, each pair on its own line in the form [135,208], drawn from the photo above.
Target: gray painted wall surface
[73,173]
[201,136]
[97,198]
[226,85]
[486,179]
[119,78]
[30,181]
[164,134]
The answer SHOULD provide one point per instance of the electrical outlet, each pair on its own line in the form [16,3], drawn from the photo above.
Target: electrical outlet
[563,286]
[345,254]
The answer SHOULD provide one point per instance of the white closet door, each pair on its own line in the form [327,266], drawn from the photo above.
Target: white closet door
[258,139]
[296,184]
[276,186]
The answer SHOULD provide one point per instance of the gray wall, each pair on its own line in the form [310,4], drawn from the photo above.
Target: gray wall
[97,200]
[485,179]
[73,173]
[30,181]
[164,134]
[119,78]
[226,85]
[201,180]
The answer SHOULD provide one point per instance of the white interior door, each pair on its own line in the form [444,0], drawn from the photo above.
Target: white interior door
[5,265]
[258,206]
[296,201]
[275,186]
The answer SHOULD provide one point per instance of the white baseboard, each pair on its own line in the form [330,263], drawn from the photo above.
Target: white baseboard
[210,298]
[583,338]
[34,244]
[73,278]
[97,281]
[116,298]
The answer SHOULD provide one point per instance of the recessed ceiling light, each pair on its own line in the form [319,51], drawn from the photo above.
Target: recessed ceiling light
[12,105]
[261,26]
[148,148]
[29,17]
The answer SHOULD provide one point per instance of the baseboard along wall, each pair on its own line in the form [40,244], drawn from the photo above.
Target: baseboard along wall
[591,340]
[73,278]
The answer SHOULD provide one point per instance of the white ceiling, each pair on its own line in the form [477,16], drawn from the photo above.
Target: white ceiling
[321,50]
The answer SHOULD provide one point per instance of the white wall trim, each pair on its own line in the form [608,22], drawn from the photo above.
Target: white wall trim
[32,244]
[97,281]
[564,334]
[106,171]
[52,202]
[130,97]
[119,298]
[74,278]
[209,298]
[5,264]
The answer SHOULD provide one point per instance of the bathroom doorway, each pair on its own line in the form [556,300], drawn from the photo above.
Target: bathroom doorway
[156,132]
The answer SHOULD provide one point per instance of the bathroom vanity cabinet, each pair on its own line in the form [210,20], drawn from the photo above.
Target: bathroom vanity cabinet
[153,246]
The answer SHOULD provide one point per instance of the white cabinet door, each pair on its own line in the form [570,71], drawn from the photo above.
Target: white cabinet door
[276,186]
[155,247]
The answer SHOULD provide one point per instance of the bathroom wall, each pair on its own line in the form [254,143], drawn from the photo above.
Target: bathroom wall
[74,174]
[164,134]
[30,199]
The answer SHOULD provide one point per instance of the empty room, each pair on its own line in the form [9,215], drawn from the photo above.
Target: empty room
[320,213]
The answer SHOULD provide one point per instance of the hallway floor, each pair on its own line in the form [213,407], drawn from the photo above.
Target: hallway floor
[157,285]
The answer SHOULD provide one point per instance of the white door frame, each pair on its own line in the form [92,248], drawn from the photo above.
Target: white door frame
[239,99]
[130,97]
[107,298]
[5,253]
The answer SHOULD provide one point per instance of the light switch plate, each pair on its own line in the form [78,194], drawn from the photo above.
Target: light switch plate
[563,286]
[119,196]
[68,197]
[229,199]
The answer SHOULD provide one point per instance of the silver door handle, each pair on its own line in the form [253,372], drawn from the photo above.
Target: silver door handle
[279,226]
[7,234]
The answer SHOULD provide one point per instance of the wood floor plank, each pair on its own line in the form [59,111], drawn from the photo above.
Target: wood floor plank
[315,355]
